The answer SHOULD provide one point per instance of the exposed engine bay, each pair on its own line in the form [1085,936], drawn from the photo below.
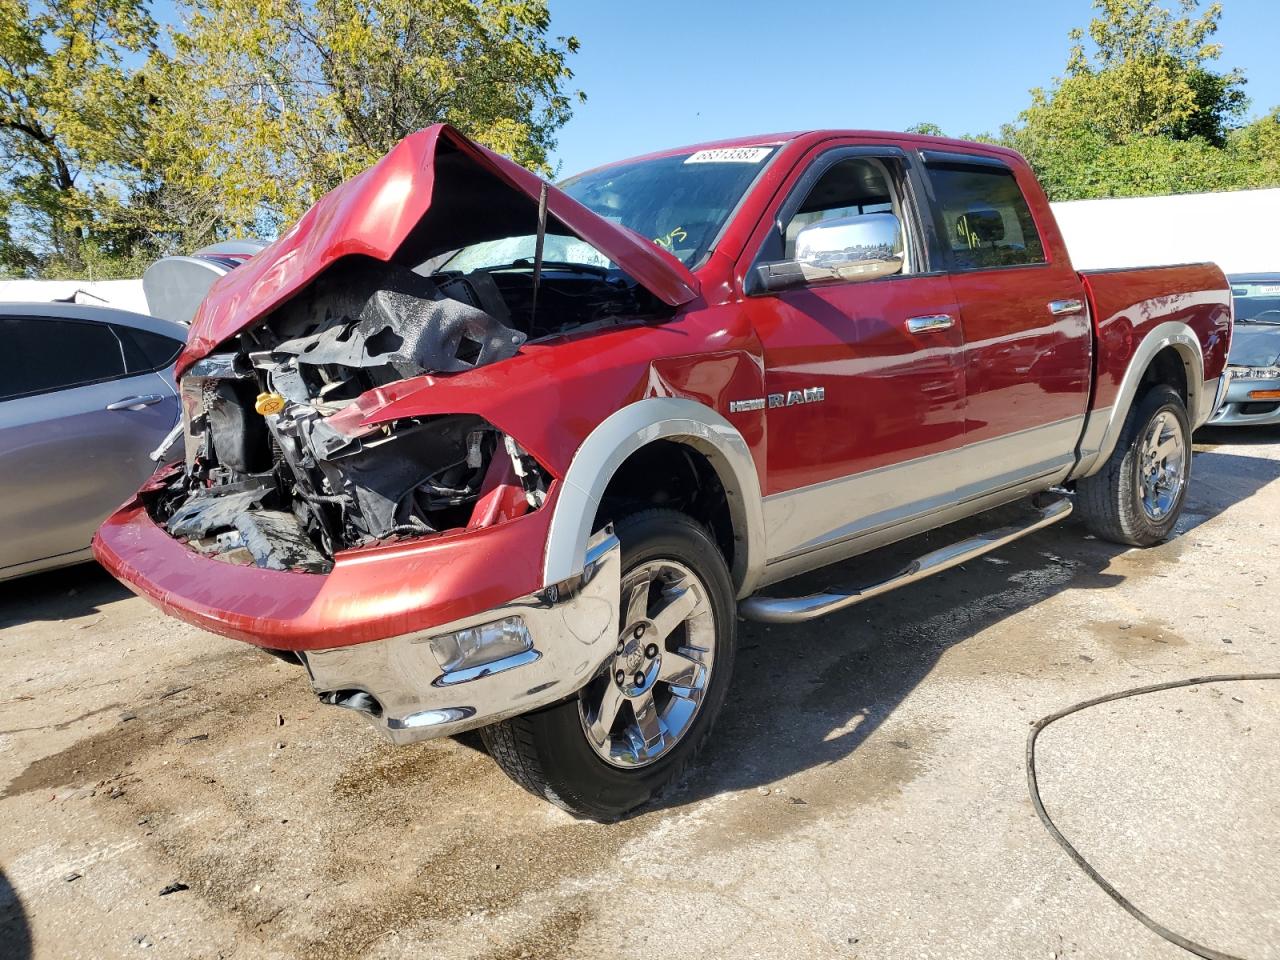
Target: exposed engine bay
[269,481]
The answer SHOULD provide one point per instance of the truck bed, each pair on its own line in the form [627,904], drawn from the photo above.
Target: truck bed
[1129,304]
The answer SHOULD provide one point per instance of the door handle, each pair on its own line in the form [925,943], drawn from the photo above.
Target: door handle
[135,403]
[937,321]
[1062,308]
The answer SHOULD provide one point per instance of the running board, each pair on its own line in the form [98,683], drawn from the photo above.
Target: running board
[799,609]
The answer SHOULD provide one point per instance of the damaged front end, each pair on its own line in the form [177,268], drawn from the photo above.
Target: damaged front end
[357,296]
[269,480]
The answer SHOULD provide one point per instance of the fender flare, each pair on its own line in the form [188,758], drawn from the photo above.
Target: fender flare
[622,434]
[1103,427]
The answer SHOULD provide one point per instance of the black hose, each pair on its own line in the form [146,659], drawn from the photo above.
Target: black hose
[1178,940]
[410,529]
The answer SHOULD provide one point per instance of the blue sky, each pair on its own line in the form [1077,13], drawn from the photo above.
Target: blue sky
[660,73]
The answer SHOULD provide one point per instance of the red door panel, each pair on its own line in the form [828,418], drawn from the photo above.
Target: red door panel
[1025,366]
[888,395]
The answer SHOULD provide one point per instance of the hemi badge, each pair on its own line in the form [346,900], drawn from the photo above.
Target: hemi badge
[746,406]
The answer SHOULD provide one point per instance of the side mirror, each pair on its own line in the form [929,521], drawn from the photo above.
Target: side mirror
[865,247]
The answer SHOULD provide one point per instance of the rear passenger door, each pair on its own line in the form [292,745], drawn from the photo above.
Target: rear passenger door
[81,408]
[1028,344]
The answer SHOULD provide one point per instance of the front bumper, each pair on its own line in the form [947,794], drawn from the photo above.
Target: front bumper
[574,629]
[365,626]
[1238,410]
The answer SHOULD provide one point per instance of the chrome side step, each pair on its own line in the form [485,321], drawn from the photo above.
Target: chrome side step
[799,609]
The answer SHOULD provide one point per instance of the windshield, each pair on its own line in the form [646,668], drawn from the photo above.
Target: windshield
[678,202]
[1256,301]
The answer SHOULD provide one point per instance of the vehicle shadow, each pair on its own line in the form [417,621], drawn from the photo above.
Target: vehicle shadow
[807,695]
[58,595]
[15,933]
[1237,436]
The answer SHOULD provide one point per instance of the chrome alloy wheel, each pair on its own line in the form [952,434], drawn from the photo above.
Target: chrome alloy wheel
[653,687]
[1162,465]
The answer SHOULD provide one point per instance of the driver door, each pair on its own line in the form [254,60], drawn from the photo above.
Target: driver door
[865,377]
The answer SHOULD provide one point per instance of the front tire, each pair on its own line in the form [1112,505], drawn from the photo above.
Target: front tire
[1137,496]
[634,728]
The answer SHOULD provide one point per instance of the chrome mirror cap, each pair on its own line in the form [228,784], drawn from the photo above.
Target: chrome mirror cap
[865,247]
[851,248]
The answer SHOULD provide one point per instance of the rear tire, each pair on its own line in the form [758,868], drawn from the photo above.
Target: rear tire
[1138,495]
[635,727]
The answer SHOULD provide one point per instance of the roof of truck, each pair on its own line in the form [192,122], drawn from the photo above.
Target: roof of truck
[809,138]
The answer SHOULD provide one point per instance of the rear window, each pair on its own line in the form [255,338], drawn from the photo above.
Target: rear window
[985,218]
[40,355]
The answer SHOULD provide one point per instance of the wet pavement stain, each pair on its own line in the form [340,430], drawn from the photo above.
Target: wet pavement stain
[402,820]
[553,937]
[65,724]
[387,768]
[152,727]
[1141,638]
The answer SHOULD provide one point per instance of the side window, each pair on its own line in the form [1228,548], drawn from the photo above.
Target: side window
[849,188]
[844,196]
[145,351]
[41,355]
[985,218]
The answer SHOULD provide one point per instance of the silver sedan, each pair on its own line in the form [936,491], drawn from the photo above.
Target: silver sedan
[1253,397]
[86,395]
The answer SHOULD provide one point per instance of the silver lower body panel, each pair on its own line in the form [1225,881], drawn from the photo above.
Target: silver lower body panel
[828,522]
[574,630]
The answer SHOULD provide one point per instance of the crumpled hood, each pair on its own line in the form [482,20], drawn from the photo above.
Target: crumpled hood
[435,191]
[1255,345]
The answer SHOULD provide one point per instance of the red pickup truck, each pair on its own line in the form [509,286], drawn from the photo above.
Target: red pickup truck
[480,452]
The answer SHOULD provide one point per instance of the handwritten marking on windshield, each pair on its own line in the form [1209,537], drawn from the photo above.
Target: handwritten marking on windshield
[669,241]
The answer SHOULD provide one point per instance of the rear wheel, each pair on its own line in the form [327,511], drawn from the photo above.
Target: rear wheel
[634,727]
[1137,496]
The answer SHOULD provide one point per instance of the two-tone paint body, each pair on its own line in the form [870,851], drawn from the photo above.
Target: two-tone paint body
[1026,387]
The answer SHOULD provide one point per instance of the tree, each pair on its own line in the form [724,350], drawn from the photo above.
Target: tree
[1257,149]
[295,96]
[1148,75]
[1141,110]
[72,120]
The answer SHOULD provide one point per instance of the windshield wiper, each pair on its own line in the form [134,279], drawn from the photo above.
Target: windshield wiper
[526,263]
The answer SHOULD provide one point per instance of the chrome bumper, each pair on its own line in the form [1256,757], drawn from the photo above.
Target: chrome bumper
[574,629]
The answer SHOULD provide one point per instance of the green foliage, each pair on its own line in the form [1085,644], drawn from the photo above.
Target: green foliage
[1257,149]
[73,115]
[1142,112]
[299,95]
[121,144]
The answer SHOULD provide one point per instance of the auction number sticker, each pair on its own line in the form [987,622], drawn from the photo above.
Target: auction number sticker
[730,155]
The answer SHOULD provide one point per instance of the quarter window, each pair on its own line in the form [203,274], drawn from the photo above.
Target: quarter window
[985,218]
[145,351]
[41,355]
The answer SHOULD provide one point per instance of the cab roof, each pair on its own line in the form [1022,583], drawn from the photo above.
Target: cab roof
[808,138]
